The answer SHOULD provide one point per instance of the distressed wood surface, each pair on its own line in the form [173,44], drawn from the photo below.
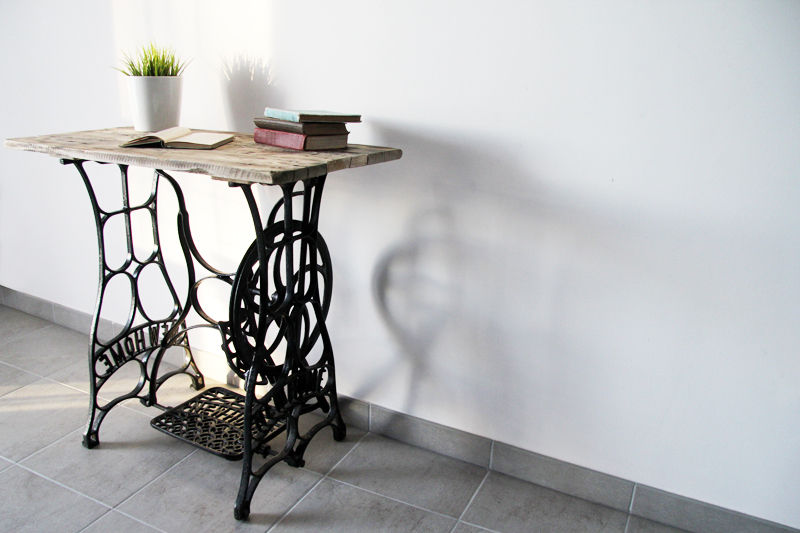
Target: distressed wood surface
[241,161]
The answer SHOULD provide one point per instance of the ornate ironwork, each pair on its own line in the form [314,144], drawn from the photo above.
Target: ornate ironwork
[279,302]
[213,421]
[142,339]
[275,336]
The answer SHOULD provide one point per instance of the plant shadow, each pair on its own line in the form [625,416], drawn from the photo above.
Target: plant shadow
[248,86]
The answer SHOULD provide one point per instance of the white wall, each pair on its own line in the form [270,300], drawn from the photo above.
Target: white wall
[590,248]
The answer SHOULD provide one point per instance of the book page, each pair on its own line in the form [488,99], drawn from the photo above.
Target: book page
[203,137]
[170,134]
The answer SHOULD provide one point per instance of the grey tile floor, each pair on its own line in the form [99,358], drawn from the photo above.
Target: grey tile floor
[139,480]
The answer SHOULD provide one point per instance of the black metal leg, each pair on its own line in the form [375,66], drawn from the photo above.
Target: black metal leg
[277,335]
[143,339]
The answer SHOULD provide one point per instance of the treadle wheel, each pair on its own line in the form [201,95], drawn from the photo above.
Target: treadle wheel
[240,343]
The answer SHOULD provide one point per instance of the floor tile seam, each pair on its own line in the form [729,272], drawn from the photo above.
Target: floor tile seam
[110,507]
[148,524]
[320,480]
[63,486]
[36,331]
[482,528]
[137,411]
[42,376]
[391,498]
[143,487]
[563,493]
[35,376]
[295,504]
[345,456]
[26,334]
[99,396]
[630,507]
[472,499]
[110,511]
[15,367]
[87,526]
[73,387]
[46,446]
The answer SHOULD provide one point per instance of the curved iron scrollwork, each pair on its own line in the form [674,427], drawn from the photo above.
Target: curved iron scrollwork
[276,335]
[143,339]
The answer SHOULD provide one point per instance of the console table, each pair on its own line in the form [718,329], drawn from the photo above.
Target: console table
[275,336]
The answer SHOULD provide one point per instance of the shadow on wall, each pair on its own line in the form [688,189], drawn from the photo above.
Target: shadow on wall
[248,90]
[443,288]
[415,291]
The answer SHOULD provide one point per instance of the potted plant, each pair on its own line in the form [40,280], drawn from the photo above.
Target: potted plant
[154,85]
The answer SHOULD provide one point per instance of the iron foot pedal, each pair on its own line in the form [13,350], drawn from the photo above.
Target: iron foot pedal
[213,421]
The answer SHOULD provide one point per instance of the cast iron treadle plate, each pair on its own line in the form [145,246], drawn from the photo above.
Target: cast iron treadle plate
[213,420]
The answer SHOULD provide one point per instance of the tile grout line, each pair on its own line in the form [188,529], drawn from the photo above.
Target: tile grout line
[99,397]
[315,485]
[295,504]
[162,474]
[50,445]
[12,365]
[59,439]
[474,495]
[112,510]
[109,509]
[630,508]
[48,305]
[5,464]
[143,487]
[21,336]
[7,300]
[356,445]
[107,506]
[87,526]
[390,498]
[633,495]
[41,376]
[482,528]
[63,486]
[126,515]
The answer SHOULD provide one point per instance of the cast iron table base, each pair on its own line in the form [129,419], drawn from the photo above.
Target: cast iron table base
[275,338]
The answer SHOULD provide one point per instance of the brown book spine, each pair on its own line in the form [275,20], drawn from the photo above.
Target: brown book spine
[308,128]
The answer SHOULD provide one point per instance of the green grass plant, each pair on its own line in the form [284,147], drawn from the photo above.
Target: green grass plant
[152,61]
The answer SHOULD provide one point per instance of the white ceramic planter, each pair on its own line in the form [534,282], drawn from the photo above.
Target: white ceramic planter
[155,101]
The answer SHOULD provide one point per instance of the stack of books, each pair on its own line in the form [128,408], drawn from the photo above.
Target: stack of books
[303,130]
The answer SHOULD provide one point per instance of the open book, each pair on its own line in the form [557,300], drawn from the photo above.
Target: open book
[178,137]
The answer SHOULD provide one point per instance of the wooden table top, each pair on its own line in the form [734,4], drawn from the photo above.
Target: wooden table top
[241,161]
